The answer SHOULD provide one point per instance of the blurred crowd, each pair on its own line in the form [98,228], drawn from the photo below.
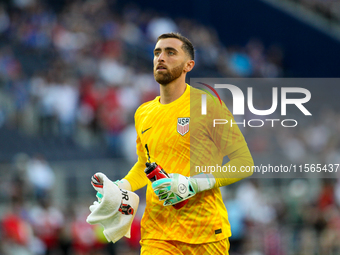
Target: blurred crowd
[285,215]
[80,71]
[88,67]
[32,224]
[300,217]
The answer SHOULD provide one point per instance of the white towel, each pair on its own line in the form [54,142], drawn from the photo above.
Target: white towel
[115,211]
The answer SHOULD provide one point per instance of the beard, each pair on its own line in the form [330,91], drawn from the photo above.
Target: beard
[168,76]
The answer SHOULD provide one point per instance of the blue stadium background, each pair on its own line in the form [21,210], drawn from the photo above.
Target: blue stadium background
[72,74]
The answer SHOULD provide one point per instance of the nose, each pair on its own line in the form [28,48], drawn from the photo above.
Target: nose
[160,57]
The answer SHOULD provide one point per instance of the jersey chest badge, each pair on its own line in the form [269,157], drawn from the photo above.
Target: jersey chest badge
[183,125]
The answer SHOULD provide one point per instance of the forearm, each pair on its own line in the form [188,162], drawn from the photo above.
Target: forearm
[240,159]
[178,188]
[136,177]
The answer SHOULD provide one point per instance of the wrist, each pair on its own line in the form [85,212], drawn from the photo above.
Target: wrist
[204,182]
[123,184]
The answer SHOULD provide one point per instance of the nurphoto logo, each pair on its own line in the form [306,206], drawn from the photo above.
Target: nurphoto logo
[239,104]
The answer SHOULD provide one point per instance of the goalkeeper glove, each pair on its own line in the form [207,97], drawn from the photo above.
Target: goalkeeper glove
[179,188]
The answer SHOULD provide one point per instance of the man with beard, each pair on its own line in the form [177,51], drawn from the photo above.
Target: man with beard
[163,136]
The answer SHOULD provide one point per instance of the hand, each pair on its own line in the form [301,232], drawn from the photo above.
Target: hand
[175,189]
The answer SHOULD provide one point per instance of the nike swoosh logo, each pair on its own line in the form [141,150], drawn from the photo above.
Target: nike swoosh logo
[143,131]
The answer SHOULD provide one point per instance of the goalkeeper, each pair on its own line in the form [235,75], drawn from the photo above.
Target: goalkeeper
[178,140]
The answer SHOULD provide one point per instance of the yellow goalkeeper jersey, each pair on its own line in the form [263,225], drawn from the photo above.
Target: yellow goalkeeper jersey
[166,129]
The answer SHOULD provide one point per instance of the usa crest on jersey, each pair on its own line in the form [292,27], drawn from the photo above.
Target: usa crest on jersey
[183,125]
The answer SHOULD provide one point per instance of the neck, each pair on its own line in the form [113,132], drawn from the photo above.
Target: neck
[172,91]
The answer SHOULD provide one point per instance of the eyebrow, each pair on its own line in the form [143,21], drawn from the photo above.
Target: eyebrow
[166,49]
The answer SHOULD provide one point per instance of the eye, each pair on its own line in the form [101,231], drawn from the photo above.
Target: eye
[171,53]
[157,53]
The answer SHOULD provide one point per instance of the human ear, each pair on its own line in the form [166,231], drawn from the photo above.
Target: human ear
[189,66]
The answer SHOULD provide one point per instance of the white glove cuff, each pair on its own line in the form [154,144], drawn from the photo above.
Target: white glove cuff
[124,184]
[205,181]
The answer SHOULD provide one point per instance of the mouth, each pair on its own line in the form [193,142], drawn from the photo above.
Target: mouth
[160,68]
